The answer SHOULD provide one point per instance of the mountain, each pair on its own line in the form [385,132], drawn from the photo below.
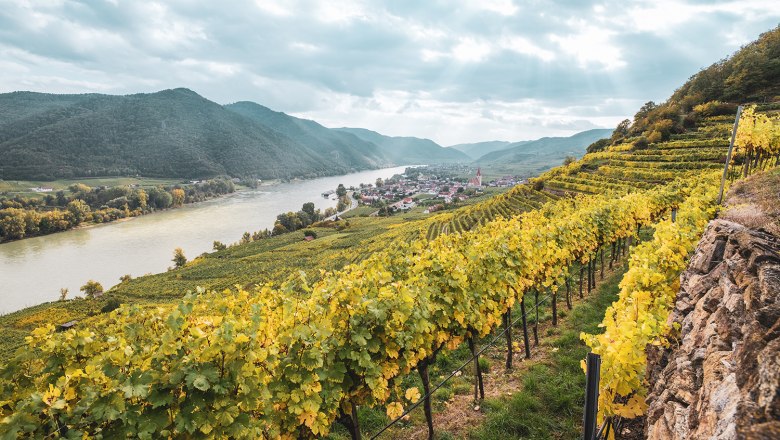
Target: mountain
[478,149]
[171,133]
[408,150]
[339,144]
[549,147]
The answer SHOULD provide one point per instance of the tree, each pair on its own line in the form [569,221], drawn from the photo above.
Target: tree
[140,199]
[63,293]
[12,224]
[177,196]
[379,182]
[219,246]
[178,257]
[599,145]
[621,131]
[125,278]
[77,188]
[61,199]
[341,191]
[246,238]
[78,210]
[92,289]
[569,160]
[308,208]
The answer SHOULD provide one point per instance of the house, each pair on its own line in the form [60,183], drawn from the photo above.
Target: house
[67,326]
[42,189]
[407,203]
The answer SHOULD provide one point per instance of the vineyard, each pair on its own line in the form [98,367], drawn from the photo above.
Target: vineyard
[284,339]
[287,360]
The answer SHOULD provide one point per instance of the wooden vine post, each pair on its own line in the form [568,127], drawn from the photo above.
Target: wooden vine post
[422,368]
[536,322]
[479,390]
[525,329]
[568,293]
[508,328]
[555,306]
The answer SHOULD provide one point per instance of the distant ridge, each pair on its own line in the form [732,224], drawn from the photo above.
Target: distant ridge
[547,146]
[478,149]
[409,150]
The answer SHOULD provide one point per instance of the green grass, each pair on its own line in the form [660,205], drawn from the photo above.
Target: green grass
[360,211]
[550,403]
[22,187]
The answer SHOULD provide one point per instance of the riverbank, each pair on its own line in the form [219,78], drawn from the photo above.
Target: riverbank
[39,267]
[25,217]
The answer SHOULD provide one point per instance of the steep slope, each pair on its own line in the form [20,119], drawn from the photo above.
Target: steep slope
[479,149]
[720,378]
[172,133]
[408,150]
[337,144]
[547,146]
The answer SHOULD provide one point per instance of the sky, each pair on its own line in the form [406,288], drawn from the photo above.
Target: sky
[451,71]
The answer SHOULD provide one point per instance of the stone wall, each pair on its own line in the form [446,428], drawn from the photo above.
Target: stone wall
[720,380]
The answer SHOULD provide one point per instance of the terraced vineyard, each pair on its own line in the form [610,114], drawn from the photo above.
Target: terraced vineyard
[516,201]
[623,168]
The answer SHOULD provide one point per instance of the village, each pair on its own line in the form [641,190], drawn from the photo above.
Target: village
[434,187]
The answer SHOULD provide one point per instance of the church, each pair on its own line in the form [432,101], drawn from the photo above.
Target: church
[476,182]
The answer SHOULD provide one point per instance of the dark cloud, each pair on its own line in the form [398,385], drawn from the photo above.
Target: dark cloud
[406,66]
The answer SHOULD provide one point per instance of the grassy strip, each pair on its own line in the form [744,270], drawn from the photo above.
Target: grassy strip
[550,403]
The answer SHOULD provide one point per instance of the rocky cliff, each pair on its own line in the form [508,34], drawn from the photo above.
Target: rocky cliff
[721,379]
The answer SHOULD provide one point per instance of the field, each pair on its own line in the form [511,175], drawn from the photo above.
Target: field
[22,187]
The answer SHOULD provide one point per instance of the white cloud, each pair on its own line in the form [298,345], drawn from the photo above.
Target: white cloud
[471,50]
[524,46]
[591,46]
[453,71]
[502,7]
[278,8]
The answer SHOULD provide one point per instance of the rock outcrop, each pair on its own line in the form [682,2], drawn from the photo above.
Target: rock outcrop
[721,380]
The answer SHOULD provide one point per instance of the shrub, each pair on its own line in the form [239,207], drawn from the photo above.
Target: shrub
[641,143]
[111,305]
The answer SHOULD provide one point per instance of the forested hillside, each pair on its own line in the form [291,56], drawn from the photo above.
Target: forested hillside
[409,150]
[172,133]
[329,143]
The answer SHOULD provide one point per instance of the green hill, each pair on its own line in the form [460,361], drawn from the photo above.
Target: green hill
[330,143]
[172,133]
[479,149]
[409,150]
[551,148]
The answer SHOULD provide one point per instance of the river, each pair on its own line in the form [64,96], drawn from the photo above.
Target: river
[33,270]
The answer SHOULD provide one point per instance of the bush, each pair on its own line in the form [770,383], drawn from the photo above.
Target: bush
[599,145]
[641,143]
[111,305]
[309,233]
[538,184]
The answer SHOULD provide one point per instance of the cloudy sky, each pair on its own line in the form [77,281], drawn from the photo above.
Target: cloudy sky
[451,71]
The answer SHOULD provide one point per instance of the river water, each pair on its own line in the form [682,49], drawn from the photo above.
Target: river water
[33,270]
